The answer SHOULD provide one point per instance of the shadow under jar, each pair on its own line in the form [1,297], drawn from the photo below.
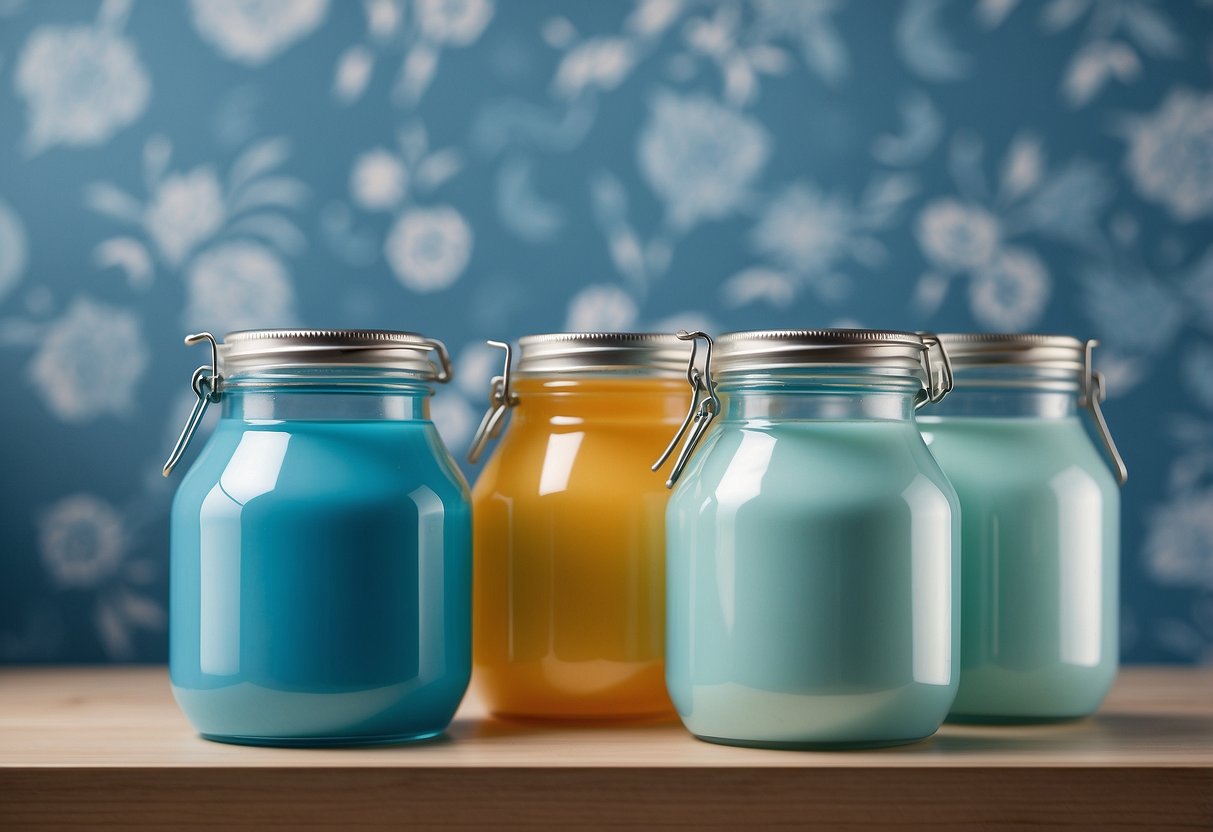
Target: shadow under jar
[1041,527]
[811,543]
[570,528]
[320,583]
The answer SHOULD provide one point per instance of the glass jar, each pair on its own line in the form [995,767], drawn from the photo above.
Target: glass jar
[1041,518]
[811,543]
[321,545]
[570,528]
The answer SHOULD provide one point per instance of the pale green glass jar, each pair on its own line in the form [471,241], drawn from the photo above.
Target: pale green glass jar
[1040,515]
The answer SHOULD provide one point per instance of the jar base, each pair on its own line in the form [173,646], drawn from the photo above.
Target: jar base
[652,718]
[809,745]
[323,742]
[1002,719]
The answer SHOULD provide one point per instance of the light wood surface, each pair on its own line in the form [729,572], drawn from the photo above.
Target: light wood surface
[107,748]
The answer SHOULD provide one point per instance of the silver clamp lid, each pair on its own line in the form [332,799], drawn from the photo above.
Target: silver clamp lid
[655,353]
[913,355]
[646,353]
[405,353]
[909,354]
[1059,360]
[401,354]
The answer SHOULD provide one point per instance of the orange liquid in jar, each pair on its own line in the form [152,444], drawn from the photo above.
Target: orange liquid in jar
[569,550]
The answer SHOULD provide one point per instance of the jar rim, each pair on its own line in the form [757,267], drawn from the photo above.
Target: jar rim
[882,350]
[651,353]
[398,353]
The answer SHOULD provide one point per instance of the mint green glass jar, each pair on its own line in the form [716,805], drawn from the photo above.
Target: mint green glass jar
[811,558]
[1041,524]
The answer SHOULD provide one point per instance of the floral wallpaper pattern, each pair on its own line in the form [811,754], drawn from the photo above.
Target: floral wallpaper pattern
[483,168]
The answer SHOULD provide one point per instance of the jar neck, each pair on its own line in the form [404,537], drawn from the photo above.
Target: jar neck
[1008,403]
[818,405]
[401,403]
[600,397]
[829,395]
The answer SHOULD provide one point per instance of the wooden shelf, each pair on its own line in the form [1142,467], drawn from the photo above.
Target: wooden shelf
[107,748]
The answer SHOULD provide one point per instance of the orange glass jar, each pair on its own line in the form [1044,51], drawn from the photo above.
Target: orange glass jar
[569,528]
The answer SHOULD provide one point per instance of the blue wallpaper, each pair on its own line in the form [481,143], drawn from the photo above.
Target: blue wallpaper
[476,169]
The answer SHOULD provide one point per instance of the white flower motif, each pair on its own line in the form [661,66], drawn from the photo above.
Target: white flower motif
[1177,542]
[601,308]
[958,235]
[12,248]
[186,209]
[1010,293]
[1170,158]
[700,156]
[453,22]
[81,84]
[379,180]
[428,248]
[252,32]
[82,541]
[804,230]
[90,362]
[238,284]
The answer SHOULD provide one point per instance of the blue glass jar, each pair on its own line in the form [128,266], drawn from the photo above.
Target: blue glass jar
[812,594]
[320,582]
[1041,525]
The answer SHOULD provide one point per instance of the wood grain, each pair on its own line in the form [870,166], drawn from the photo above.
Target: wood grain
[107,748]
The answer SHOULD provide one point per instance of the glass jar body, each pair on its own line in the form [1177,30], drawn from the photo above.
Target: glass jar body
[811,588]
[1041,555]
[570,550]
[320,572]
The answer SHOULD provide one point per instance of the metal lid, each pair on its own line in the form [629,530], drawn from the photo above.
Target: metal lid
[1059,353]
[577,352]
[404,353]
[811,348]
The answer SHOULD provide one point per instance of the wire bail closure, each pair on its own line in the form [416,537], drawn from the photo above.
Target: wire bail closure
[207,383]
[939,372]
[501,398]
[1093,393]
[705,405]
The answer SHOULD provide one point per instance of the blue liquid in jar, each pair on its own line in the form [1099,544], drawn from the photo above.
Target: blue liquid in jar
[321,583]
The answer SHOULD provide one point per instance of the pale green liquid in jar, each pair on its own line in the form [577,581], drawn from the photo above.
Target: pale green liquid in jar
[811,592]
[1040,566]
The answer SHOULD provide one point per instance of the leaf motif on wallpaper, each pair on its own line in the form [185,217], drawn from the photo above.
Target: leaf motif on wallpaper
[418,31]
[759,284]
[924,45]
[1111,45]
[920,133]
[521,209]
[81,83]
[810,26]
[13,249]
[226,236]
[600,63]
[254,32]
[1094,65]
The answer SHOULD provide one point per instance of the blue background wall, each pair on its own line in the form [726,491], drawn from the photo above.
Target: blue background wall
[470,169]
